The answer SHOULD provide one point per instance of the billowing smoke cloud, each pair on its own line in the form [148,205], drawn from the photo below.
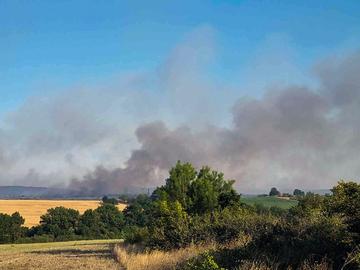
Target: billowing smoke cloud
[291,136]
[57,136]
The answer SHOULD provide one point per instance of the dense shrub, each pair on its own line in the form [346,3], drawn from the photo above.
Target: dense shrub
[204,261]
[138,213]
[200,207]
[170,226]
[345,201]
[135,234]
[313,239]
[35,239]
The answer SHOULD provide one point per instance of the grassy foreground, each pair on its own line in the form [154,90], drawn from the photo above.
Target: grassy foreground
[85,254]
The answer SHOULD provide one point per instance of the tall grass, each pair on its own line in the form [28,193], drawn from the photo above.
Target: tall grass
[255,265]
[131,257]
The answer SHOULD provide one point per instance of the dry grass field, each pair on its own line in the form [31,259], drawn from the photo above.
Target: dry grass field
[130,258]
[31,210]
[80,255]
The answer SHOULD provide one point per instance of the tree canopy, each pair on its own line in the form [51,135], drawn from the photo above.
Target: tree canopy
[197,192]
[274,192]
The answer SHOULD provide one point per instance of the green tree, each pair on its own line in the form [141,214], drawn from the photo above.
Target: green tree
[309,205]
[90,225]
[60,222]
[209,191]
[346,202]
[274,192]
[106,221]
[112,220]
[179,181]
[138,212]
[204,261]
[197,192]
[204,191]
[298,192]
[108,200]
[170,226]
[11,227]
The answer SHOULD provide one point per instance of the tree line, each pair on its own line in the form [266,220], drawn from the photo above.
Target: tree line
[61,224]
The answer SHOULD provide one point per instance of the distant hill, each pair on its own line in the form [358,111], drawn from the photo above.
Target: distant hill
[22,192]
[320,191]
[29,192]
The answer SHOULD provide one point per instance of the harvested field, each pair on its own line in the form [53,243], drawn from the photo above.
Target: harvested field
[90,254]
[31,210]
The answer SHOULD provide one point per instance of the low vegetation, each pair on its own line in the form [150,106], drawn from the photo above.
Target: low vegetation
[201,207]
[198,221]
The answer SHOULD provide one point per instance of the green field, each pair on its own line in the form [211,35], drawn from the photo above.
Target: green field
[270,201]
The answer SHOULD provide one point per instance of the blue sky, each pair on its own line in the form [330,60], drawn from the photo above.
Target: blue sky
[49,45]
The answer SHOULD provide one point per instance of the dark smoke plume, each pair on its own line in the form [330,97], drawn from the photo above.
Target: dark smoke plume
[295,136]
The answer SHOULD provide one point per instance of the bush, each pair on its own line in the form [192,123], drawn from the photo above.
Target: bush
[170,227]
[345,201]
[204,261]
[299,240]
[138,212]
[135,234]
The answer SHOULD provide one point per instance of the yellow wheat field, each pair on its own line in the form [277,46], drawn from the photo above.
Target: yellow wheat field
[31,210]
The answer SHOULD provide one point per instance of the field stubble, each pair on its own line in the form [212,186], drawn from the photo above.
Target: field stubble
[89,254]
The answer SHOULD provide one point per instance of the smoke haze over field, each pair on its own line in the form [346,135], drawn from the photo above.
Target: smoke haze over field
[292,135]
